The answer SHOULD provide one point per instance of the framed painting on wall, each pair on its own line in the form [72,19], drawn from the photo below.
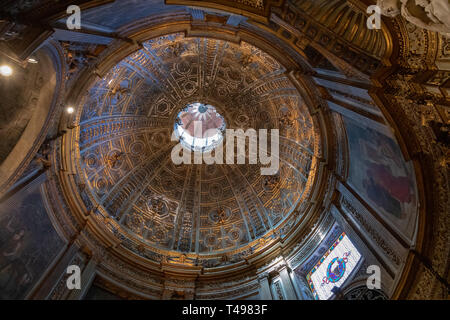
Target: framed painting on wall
[381,176]
[28,242]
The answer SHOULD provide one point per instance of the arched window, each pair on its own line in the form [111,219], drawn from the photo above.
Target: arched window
[334,268]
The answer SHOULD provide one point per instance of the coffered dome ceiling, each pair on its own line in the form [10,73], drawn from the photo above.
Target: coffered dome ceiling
[125,145]
[362,155]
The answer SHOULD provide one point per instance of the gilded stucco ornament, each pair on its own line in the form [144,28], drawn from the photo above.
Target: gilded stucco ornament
[433,15]
[158,206]
[116,253]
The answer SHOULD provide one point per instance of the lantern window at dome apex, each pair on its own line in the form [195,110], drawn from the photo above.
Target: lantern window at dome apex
[199,127]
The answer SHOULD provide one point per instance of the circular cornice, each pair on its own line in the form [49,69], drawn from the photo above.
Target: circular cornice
[101,232]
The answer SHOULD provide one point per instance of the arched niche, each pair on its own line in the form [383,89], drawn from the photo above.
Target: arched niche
[32,117]
[362,292]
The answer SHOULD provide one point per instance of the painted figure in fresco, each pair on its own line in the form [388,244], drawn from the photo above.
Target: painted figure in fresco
[13,272]
[381,197]
[386,183]
[10,247]
[378,148]
[14,277]
[28,243]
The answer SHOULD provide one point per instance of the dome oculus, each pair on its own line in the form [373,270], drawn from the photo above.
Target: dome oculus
[199,127]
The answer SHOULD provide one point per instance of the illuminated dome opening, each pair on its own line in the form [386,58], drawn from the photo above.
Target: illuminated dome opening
[199,127]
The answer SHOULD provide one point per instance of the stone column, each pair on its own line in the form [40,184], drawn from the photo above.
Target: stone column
[87,276]
[297,285]
[289,290]
[264,292]
[304,290]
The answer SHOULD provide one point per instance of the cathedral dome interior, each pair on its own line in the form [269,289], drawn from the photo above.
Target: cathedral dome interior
[129,169]
[210,150]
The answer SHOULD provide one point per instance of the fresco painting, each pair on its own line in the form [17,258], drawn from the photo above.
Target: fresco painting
[380,175]
[28,243]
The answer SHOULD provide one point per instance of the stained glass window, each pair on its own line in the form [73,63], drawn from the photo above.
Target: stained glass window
[334,268]
[199,127]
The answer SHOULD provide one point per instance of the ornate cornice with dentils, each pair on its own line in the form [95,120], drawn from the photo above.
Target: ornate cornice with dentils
[404,114]
[104,238]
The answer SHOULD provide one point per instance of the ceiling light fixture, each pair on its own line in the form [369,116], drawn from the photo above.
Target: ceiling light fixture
[6,71]
[70,110]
